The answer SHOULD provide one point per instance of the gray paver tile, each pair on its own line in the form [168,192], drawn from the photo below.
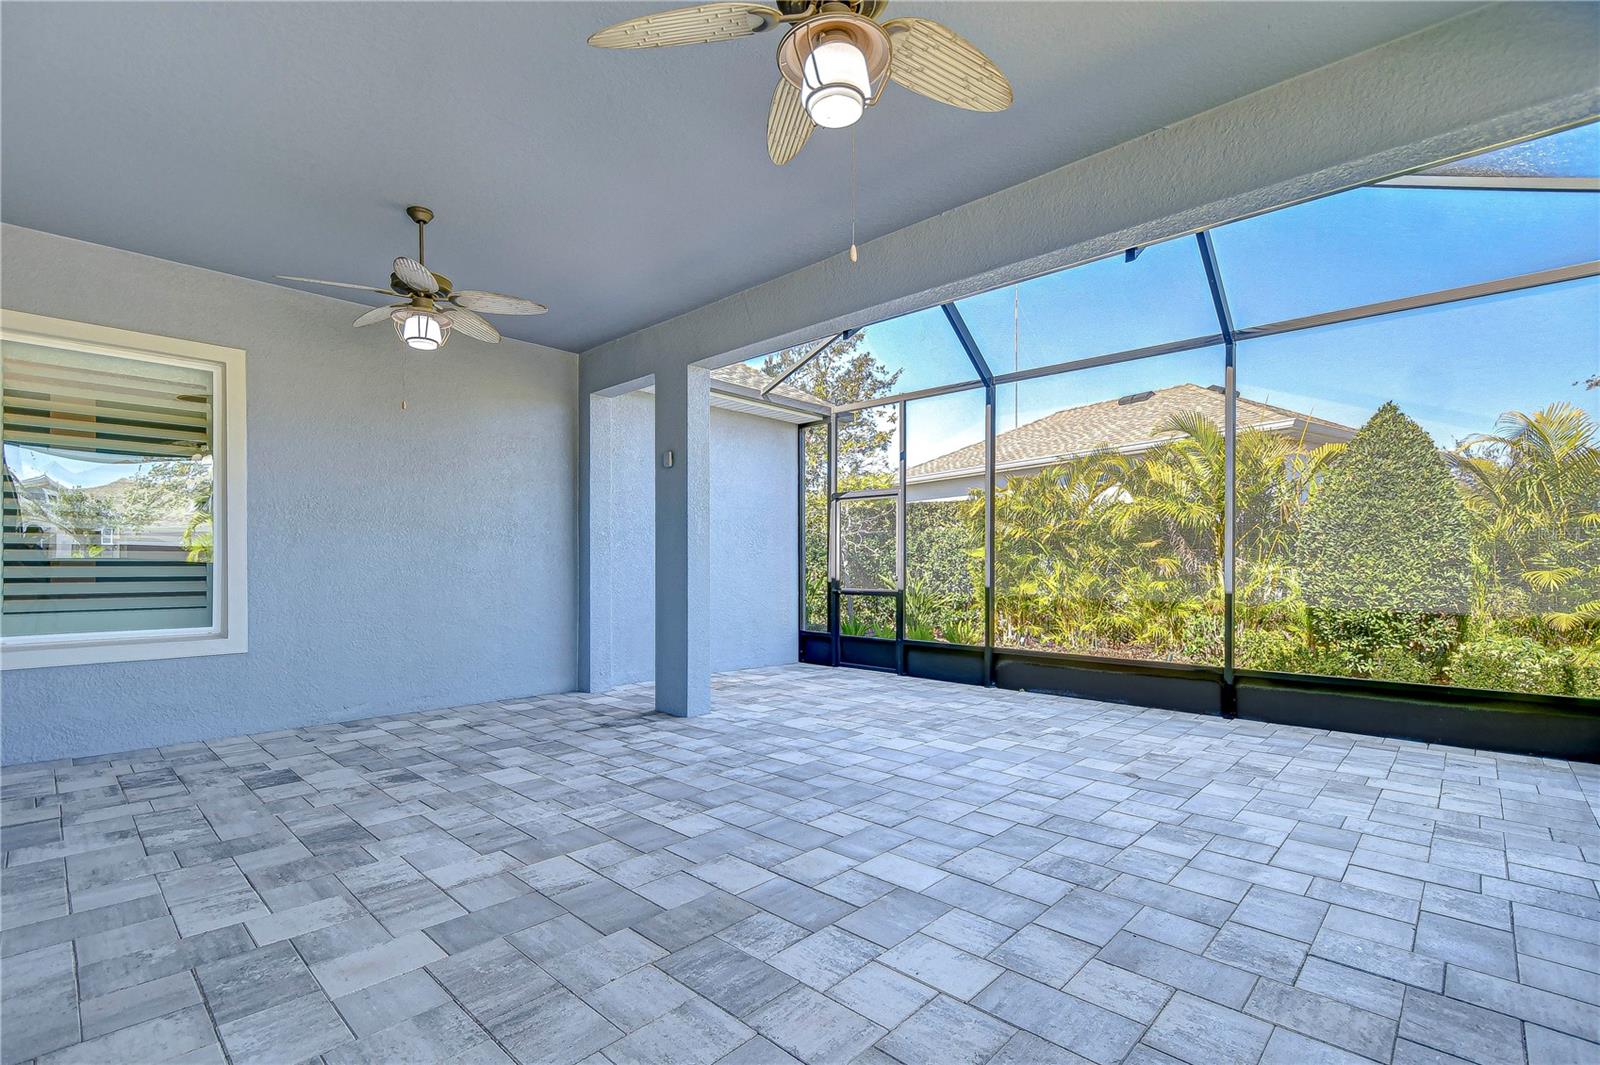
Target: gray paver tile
[596,964]
[946,1030]
[634,1000]
[694,1033]
[556,1028]
[295,1030]
[1214,980]
[162,1038]
[1470,945]
[1322,1018]
[442,1033]
[1291,1048]
[813,1028]
[1195,1030]
[1104,874]
[38,1003]
[1084,1028]
[1462,1029]
[1120,991]
[1043,954]
[881,995]
[139,1003]
[384,1004]
[727,976]
[940,965]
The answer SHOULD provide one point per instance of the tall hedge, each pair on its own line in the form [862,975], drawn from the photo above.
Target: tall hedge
[1384,553]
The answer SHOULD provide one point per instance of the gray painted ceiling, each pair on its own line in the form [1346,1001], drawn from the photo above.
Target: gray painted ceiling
[619,188]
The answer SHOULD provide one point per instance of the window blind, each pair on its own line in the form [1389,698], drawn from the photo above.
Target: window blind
[107,493]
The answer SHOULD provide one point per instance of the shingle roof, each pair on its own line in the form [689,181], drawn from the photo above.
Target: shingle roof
[746,376]
[1127,424]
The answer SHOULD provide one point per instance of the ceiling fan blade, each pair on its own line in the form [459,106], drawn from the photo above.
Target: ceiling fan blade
[470,323]
[338,284]
[376,315]
[495,303]
[788,125]
[415,276]
[700,24]
[942,65]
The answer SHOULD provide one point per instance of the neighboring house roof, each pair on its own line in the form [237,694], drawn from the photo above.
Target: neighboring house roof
[744,375]
[1129,424]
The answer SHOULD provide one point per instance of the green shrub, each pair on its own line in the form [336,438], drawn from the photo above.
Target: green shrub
[1503,662]
[1274,650]
[1583,673]
[1384,553]
[1202,638]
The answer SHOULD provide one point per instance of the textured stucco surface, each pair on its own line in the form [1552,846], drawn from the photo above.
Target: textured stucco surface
[752,541]
[1497,73]
[398,559]
[1500,72]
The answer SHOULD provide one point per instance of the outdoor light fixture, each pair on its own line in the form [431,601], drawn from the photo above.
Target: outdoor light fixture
[421,328]
[838,62]
[836,83]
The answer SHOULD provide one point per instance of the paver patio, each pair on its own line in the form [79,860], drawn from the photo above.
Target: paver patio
[833,866]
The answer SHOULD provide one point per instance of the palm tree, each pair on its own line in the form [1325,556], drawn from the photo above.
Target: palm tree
[1533,492]
[1176,495]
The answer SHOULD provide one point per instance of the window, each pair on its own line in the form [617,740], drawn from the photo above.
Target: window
[946,480]
[1109,510]
[1102,307]
[1375,244]
[123,495]
[1414,471]
[1441,524]
[867,558]
[814,485]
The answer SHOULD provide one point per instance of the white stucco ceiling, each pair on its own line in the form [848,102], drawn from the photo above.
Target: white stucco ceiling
[619,188]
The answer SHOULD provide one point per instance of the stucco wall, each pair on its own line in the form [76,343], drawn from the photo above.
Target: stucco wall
[753,541]
[1497,73]
[399,560]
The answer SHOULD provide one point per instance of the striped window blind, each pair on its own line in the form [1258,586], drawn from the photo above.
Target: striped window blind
[107,493]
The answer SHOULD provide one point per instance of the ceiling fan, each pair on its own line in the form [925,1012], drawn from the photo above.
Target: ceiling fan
[419,321]
[832,62]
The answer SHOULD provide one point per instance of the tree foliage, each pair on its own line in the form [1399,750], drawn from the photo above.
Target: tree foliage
[1382,557]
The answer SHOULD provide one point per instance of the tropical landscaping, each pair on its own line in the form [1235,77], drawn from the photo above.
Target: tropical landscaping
[1383,557]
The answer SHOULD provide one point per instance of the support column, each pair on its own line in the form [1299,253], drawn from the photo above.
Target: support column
[683,533]
[596,490]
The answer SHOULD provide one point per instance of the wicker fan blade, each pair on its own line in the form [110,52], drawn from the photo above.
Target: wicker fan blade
[376,315]
[471,324]
[687,25]
[940,64]
[788,125]
[338,284]
[495,303]
[415,276]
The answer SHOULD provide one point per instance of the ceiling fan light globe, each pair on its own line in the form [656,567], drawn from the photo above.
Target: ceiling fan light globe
[836,85]
[420,329]
[835,106]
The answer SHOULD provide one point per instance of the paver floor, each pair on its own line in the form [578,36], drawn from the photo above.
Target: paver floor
[833,866]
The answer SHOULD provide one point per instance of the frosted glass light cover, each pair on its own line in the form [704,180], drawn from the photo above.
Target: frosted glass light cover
[422,330]
[836,83]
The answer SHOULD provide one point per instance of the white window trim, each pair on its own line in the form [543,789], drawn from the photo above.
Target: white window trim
[228,631]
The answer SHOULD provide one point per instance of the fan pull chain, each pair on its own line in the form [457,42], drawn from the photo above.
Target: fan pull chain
[853,257]
[405,360]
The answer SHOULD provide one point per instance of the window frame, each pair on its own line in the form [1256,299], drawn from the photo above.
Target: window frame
[228,631]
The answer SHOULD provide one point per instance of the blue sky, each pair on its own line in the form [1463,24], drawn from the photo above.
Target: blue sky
[1454,368]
